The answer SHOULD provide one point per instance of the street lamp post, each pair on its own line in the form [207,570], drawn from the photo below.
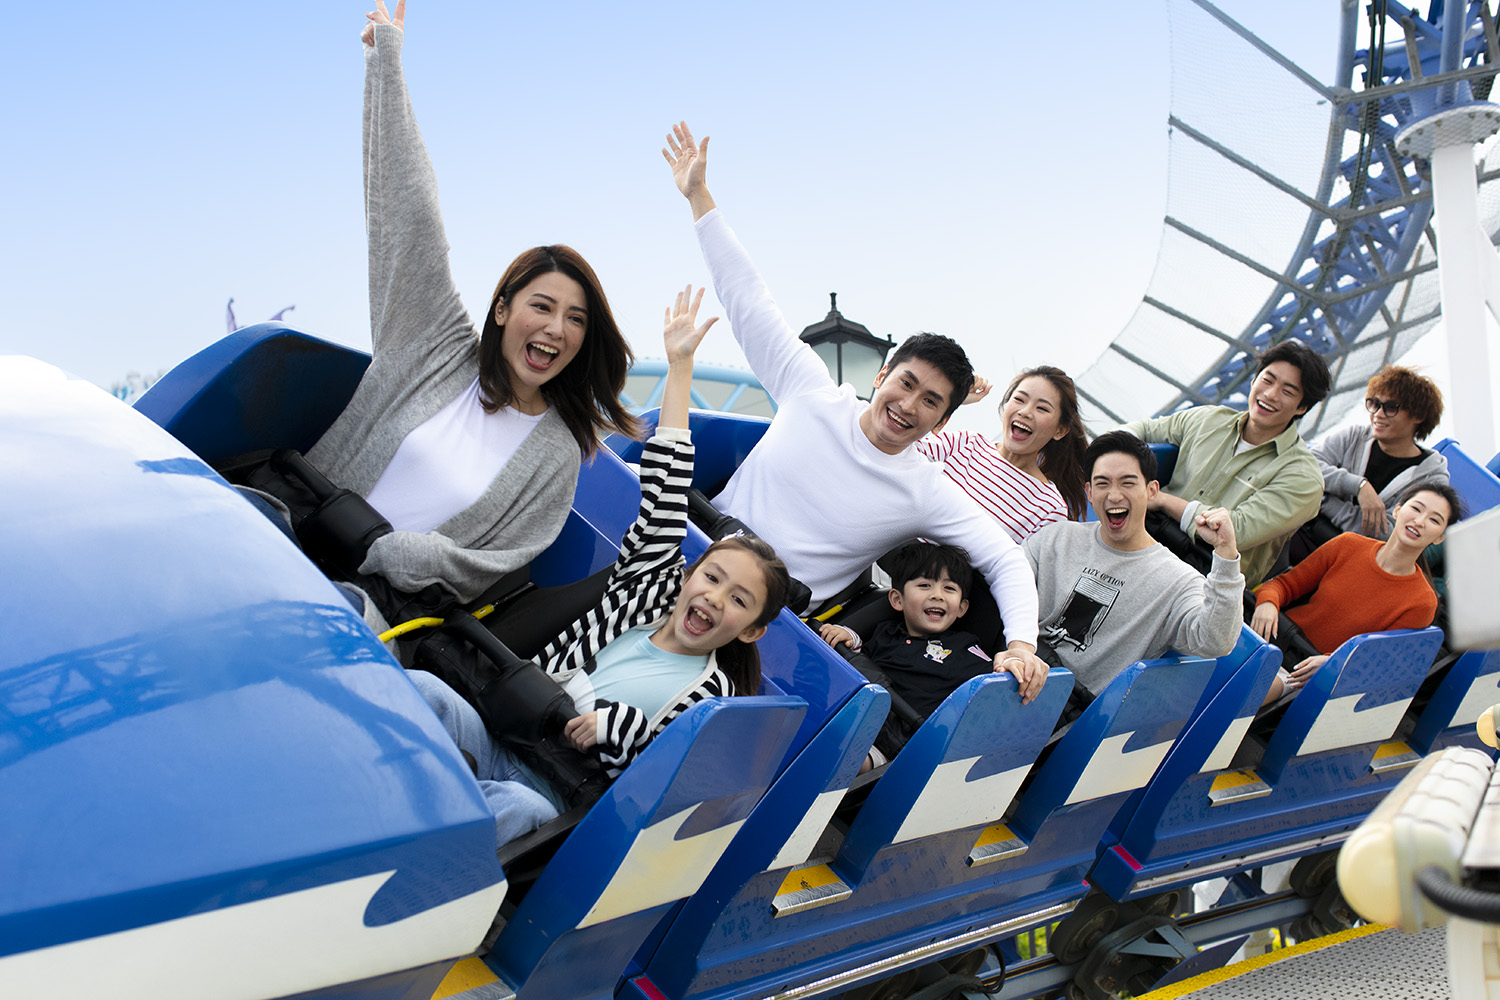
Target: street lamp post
[850,351]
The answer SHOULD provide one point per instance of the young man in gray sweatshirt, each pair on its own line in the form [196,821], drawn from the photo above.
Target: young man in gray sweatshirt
[1110,594]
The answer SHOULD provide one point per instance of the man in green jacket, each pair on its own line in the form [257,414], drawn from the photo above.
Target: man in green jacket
[1254,463]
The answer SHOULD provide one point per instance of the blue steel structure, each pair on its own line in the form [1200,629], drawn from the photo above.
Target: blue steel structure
[1365,244]
[715,387]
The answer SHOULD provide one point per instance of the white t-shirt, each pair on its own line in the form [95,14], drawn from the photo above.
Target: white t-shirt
[816,488]
[447,462]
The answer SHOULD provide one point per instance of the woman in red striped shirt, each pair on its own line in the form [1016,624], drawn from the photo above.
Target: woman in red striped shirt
[1033,474]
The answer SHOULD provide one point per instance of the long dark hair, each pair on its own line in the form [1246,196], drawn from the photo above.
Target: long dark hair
[739,660]
[1457,511]
[586,393]
[1061,460]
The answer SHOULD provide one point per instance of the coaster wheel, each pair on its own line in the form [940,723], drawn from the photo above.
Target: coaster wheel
[1094,917]
[1314,873]
[1163,904]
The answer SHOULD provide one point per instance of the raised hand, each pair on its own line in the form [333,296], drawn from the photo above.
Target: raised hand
[689,162]
[1217,529]
[382,16]
[981,389]
[680,335]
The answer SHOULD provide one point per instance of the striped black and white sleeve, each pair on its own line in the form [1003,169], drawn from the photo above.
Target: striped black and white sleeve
[654,541]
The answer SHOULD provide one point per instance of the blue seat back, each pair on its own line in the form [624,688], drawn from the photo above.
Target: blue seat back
[1166,461]
[1118,742]
[266,386]
[1471,685]
[1358,697]
[723,441]
[1239,685]
[1218,725]
[1478,485]
[779,836]
[959,770]
[650,842]
[903,857]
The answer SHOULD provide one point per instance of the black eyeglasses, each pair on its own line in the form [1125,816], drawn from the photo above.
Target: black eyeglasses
[1390,406]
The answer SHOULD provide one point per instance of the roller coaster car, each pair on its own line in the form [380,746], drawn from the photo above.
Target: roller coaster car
[265,767]
[299,792]
[1167,801]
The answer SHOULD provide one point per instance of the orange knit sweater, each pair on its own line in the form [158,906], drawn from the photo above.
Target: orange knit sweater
[1351,594]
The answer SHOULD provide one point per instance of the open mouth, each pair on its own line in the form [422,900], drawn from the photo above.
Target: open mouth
[897,421]
[540,356]
[1115,517]
[935,614]
[696,623]
[1020,432]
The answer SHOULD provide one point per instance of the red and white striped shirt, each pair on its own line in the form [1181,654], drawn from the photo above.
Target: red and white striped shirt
[1020,503]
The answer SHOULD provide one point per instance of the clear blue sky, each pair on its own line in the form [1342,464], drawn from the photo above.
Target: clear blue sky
[993,171]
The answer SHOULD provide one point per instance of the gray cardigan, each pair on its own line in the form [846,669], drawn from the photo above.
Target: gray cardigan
[426,352]
[1343,453]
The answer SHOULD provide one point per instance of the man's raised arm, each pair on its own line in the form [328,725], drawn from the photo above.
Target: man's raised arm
[783,363]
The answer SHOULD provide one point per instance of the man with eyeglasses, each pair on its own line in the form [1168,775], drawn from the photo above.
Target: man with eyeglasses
[1367,468]
[1252,463]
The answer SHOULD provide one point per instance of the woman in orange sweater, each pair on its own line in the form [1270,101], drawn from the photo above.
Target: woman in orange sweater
[1358,584]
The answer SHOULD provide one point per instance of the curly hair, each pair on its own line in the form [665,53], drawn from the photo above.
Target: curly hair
[1417,394]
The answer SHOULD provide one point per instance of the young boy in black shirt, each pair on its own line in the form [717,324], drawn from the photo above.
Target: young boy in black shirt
[923,653]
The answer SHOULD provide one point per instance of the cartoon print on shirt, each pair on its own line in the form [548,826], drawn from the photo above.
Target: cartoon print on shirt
[1093,595]
[935,651]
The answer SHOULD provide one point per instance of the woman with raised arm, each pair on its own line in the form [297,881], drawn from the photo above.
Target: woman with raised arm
[468,442]
[1357,585]
[1032,475]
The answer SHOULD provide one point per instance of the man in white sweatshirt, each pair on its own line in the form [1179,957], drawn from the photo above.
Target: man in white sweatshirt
[867,490]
